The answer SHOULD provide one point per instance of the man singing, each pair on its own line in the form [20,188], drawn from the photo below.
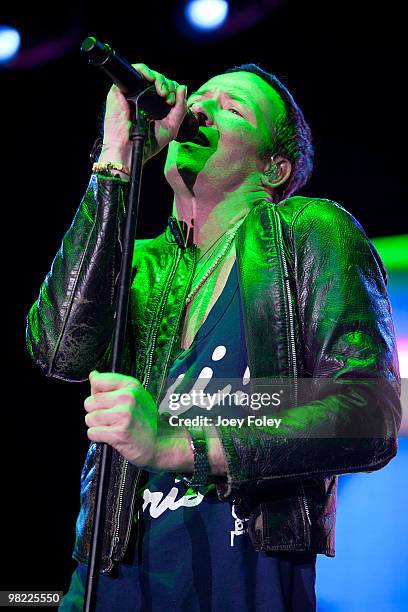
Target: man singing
[248,283]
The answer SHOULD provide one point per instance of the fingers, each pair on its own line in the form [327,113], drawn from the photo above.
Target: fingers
[110,381]
[181,97]
[108,435]
[145,71]
[112,399]
[116,97]
[117,415]
[103,400]
[166,88]
[122,417]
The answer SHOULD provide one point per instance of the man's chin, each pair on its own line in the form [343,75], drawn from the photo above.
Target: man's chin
[185,162]
[181,174]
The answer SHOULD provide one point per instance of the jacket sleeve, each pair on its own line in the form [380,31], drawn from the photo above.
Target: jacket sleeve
[351,411]
[69,327]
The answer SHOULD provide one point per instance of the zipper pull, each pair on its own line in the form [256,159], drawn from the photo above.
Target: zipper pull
[177,231]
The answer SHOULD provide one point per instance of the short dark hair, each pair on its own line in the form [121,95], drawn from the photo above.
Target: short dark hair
[292,137]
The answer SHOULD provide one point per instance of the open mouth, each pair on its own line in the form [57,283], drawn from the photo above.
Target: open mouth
[201,139]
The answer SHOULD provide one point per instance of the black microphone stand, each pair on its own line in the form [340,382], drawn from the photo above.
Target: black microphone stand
[138,137]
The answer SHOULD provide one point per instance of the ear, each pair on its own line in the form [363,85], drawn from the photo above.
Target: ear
[278,171]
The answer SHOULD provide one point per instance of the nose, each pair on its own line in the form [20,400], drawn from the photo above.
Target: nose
[203,112]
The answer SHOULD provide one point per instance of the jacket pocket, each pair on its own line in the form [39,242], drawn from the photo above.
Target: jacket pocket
[280,524]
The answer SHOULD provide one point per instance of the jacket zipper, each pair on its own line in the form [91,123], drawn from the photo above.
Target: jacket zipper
[194,247]
[305,504]
[145,383]
[163,304]
[292,343]
[120,503]
[290,308]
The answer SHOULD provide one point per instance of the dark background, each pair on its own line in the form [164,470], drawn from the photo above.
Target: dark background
[344,65]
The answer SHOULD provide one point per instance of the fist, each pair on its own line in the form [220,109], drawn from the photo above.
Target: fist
[120,412]
[117,117]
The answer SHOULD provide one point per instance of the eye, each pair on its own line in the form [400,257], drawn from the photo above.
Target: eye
[234,111]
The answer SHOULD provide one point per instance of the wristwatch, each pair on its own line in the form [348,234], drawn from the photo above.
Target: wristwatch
[198,444]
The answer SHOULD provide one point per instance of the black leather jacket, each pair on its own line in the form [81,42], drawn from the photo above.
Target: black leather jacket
[315,306]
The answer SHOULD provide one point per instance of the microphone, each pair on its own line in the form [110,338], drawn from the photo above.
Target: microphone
[131,83]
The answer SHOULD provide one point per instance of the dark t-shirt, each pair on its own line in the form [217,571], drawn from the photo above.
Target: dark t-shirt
[193,553]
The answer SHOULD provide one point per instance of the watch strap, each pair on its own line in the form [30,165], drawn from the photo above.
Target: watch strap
[199,447]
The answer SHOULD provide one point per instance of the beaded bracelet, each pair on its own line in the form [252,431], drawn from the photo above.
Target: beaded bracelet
[100,167]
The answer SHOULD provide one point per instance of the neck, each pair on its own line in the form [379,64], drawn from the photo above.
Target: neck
[208,218]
